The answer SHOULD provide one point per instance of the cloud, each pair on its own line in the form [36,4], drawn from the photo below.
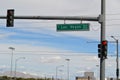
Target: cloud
[92,58]
[53,59]
[4,35]
[3,66]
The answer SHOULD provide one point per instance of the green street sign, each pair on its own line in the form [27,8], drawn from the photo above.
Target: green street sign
[73,27]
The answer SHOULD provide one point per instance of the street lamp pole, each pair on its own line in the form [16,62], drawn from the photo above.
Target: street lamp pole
[11,60]
[97,66]
[61,73]
[67,68]
[57,70]
[16,64]
[117,58]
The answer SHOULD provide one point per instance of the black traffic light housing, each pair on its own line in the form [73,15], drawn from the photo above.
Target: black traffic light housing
[102,49]
[10,18]
[99,50]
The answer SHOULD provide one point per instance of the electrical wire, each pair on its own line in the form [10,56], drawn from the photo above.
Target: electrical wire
[65,53]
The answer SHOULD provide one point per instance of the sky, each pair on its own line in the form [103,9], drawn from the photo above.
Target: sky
[45,49]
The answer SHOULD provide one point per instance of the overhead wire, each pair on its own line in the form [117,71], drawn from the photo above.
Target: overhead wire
[52,53]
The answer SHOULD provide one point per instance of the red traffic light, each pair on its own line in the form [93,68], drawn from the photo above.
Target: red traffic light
[104,42]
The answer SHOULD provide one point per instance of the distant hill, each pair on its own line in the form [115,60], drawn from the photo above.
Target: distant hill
[18,74]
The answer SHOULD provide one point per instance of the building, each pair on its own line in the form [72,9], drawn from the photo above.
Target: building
[87,76]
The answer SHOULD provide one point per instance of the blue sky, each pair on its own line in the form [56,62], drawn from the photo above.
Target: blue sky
[67,42]
[45,48]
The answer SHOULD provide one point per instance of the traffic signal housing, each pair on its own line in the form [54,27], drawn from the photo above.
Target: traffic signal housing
[104,48]
[99,50]
[10,18]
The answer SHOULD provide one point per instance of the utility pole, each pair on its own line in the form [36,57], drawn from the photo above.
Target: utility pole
[117,58]
[117,61]
[68,60]
[11,72]
[102,58]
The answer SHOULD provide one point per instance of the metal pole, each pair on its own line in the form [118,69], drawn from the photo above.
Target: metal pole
[102,59]
[61,71]
[11,64]
[117,61]
[56,73]
[57,70]
[16,65]
[11,60]
[76,18]
[67,68]
[97,66]
[117,58]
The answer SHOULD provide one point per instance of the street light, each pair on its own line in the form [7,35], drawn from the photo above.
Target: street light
[11,60]
[16,64]
[97,66]
[117,58]
[57,70]
[67,68]
[61,73]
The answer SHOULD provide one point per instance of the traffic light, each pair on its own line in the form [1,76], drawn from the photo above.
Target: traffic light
[99,50]
[104,48]
[10,18]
